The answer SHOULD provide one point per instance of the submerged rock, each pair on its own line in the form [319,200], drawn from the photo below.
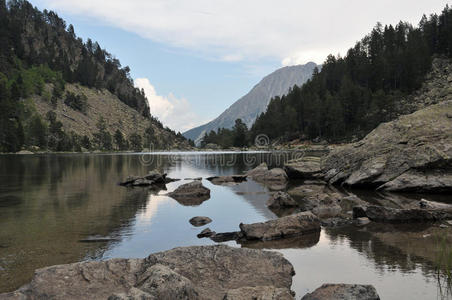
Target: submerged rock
[227,180]
[281,200]
[154,178]
[412,153]
[342,292]
[192,193]
[298,224]
[174,274]
[200,221]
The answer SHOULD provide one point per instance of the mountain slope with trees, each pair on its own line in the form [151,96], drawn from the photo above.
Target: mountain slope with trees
[351,95]
[40,56]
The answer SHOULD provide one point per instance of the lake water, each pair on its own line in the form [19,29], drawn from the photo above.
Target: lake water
[48,203]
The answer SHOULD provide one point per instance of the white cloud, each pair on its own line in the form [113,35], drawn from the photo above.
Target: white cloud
[293,31]
[176,113]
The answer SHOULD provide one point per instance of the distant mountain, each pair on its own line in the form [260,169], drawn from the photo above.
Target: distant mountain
[255,102]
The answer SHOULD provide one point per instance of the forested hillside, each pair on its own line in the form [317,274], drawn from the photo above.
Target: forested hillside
[39,55]
[351,95]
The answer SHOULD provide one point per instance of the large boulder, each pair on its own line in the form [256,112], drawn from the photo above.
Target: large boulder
[298,224]
[412,153]
[200,272]
[192,193]
[281,200]
[343,292]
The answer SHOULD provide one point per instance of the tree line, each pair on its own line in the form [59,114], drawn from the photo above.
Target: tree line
[351,95]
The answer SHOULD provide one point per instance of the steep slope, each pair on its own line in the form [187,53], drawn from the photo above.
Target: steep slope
[116,114]
[255,102]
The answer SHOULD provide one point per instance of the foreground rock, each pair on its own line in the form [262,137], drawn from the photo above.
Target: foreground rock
[192,193]
[304,168]
[394,215]
[227,180]
[281,200]
[412,153]
[201,272]
[200,221]
[298,224]
[342,292]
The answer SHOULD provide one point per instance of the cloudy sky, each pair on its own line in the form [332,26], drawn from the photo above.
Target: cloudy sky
[195,58]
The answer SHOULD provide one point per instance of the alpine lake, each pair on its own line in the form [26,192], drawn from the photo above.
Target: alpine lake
[64,208]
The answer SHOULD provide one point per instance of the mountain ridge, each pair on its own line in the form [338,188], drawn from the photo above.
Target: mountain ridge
[256,100]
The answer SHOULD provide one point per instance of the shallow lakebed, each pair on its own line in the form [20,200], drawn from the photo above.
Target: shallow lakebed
[51,205]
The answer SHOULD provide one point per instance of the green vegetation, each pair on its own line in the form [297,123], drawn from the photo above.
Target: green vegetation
[77,102]
[351,95]
[238,136]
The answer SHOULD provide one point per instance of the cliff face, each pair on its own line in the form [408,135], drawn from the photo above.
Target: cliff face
[256,101]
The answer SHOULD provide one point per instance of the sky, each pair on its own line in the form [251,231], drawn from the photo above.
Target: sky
[195,58]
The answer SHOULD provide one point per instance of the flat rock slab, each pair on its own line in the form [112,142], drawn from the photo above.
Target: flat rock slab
[199,272]
[298,224]
[343,292]
[304,168]
[394,215]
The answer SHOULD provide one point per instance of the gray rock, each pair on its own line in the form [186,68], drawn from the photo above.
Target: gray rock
[201,272]
[193,193]
[281,200]
[258,293]
[262,174]
[298,224]
[343,292]
[200,221]
[393,215]
[304,168]
[412,153]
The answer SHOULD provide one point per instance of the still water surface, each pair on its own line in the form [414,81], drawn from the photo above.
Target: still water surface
[48,203]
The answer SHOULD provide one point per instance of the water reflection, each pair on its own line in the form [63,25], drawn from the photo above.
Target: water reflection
[50,202]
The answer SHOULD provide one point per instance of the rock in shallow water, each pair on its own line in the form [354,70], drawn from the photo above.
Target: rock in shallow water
[298,224]
[200,272]
[200,221]
[192,193]
[343,292]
